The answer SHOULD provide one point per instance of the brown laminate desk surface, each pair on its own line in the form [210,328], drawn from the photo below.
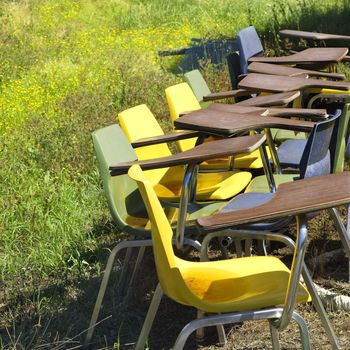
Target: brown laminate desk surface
[228,124]
[280,99]
[278,83]
[324,55]
[270,111]
[293,198]
[312,35]
[198,154]
[268,68]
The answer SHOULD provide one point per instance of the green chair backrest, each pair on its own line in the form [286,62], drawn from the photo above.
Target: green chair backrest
[123,198]
[195,80]
[340,146]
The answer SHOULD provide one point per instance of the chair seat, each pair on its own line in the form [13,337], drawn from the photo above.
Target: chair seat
[210,186]
[280,135]
[290,152]
[247,200]
[236,284]
[260,184]
[251,161]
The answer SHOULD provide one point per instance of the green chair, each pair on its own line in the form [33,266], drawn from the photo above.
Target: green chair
[126,207]
[201,89]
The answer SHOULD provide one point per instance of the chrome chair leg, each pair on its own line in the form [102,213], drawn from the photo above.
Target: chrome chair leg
[248,247]
[223,248]
[274,337]
[238,248]
[139,258]
[344,232]
[200,331]
[223,319]
[124,271]
[105,280]
[147,325]
[317,303]
[221,334]
[220,330]
[304,331]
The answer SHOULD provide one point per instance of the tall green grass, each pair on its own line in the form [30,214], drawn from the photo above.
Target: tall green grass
[66,69]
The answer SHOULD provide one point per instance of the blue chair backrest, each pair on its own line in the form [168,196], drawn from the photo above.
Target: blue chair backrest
[318,154]
[234,68]
[249,45]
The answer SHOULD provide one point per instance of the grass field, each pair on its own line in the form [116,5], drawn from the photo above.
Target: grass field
[66,69]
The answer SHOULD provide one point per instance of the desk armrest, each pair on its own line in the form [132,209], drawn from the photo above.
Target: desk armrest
[279,99]
[312,114]
[198,154]
[173,136]
[226,94]
[293,198]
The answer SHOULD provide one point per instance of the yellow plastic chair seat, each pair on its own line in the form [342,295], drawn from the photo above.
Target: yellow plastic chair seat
[210,186]
[260,184]
[236,284]
[251,161]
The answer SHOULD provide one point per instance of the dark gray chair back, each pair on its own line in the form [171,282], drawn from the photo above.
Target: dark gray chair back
[249,45]
[318,153]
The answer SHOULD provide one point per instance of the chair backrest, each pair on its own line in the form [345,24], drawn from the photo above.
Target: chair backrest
[165,259]
[249,45]
[123,198]
[181,99]
[317,158]
[339,146]
[234,68]
[137,123]
[195,80]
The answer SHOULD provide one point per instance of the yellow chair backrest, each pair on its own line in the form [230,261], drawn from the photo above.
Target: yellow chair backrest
[181,99]
[137,123]
[165,259]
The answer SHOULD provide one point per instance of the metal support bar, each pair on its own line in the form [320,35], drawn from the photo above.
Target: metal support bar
[147,325]
[317,303]
[267,168]
[223,319]
[274,337]
[185,196]
[105,279]
[293,282]
[273,151]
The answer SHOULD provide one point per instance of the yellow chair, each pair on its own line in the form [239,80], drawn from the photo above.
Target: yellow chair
[137,123]
[250,286]
[181,99]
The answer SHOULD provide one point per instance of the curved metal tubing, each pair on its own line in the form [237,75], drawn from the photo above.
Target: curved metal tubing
[105,279]
[273,151]
[122,245]
[224,319]
[243,234]
[184,199]
[293,282]
[147,325]
[304,331]
[274,337]
[267,168]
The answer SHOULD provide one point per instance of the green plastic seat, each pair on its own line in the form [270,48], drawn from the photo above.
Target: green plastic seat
[127,207]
